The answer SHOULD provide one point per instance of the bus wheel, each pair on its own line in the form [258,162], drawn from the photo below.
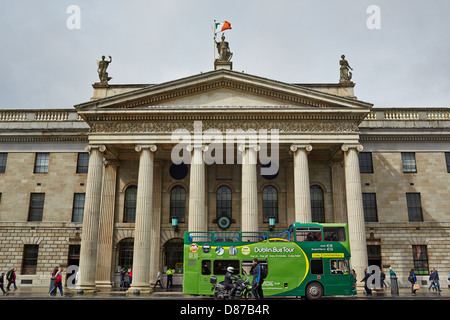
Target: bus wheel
[314,291]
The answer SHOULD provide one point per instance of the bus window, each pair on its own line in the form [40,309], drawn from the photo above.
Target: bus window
[317,266]
[226,237]
[339,266]
[206,267]
[308,234]
[199,237]
[220,266]
[334,234]
[253,236]
[247,266]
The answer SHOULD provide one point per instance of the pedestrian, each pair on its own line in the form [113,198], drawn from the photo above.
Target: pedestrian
[52,279]
[122,277]
[435,280]
[412,278]
[257,280]
[2,281]
[11,277]
[169,274]
[158,279]
[382,278]
[130,275]
[365,279]
[391,273]
[58,283]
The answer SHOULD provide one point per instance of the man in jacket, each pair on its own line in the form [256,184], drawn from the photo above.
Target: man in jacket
[11,277]
[257,280]
[229,278]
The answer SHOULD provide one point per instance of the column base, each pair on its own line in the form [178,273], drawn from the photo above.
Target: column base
[139,290]
[84,290]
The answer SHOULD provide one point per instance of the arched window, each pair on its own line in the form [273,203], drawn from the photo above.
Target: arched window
[177,203]
[270,203]
[317,204]
[125,253]
[223,203]
[129,210]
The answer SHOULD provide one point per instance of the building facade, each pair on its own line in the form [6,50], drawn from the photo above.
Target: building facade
[98,185]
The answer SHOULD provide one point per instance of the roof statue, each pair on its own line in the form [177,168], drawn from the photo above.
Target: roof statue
[102,66]
[224,50]
[346,76]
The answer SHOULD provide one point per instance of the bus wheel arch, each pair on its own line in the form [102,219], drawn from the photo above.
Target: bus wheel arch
[314,290]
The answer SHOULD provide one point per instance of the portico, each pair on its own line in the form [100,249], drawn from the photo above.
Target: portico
[317,144]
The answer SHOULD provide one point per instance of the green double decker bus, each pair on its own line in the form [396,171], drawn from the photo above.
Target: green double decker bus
[308,260]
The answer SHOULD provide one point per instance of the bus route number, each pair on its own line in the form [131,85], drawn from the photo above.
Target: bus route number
[246,309]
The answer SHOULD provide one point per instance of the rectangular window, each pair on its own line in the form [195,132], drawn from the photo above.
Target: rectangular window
[339,266]
[370,207]
[78,207]
[317,266]
[334,234]
[41,162]
[220,266]
[30,258]
[83,162]
[206,267]
[308,234]
[447,161]
[420,258]
[36,209]
[365,162]
[414,207]
[247,265]
[3,157]
[409,162]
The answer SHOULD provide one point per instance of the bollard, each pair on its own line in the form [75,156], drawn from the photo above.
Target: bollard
[394,286]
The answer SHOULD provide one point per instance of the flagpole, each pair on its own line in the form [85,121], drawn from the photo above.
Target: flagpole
[214,40]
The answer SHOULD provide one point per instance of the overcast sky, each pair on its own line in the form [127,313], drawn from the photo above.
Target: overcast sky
[45,64]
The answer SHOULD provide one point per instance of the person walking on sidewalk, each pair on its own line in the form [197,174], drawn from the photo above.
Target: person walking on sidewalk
[366,287]
[52,280]
[58,283]
[11,277]
[169,274]
[434,277]
[412,278]
[158,280]
[2,281]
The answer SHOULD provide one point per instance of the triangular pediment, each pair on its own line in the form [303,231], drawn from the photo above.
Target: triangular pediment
[223,88]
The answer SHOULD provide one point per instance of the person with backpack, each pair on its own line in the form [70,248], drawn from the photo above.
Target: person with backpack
[11,277]
[2,281]
[412,278]
[258,278]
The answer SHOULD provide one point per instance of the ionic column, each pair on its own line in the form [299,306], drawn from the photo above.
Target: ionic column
[197,195]
[249,192]
[105,239]
[355,211]
[89,238]
[302,193]
[143,223]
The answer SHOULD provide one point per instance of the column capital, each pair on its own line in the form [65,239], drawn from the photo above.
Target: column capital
[295,147]
[346,147]
[100,147]
[111,162]
[140,147]
[242,147]
[191,147]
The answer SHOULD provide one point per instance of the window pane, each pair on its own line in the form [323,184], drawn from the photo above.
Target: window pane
[447,161]
[83,162]
[420,258]
[317,204]
[78,207]
[30,258]
[36,207]
[3,157]
[125,256]
[414,207]
[178,203]
[206,267]
[409,162]
[270,203]
[223,202]
[370,207]
[129,212]
[316,266]
[221,265]
[339,266]
[365,162]
[41,163]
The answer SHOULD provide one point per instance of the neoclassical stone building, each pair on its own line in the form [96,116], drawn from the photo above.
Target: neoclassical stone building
[97,186]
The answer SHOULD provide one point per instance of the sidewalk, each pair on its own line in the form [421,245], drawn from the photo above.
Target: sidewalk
[29,293]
